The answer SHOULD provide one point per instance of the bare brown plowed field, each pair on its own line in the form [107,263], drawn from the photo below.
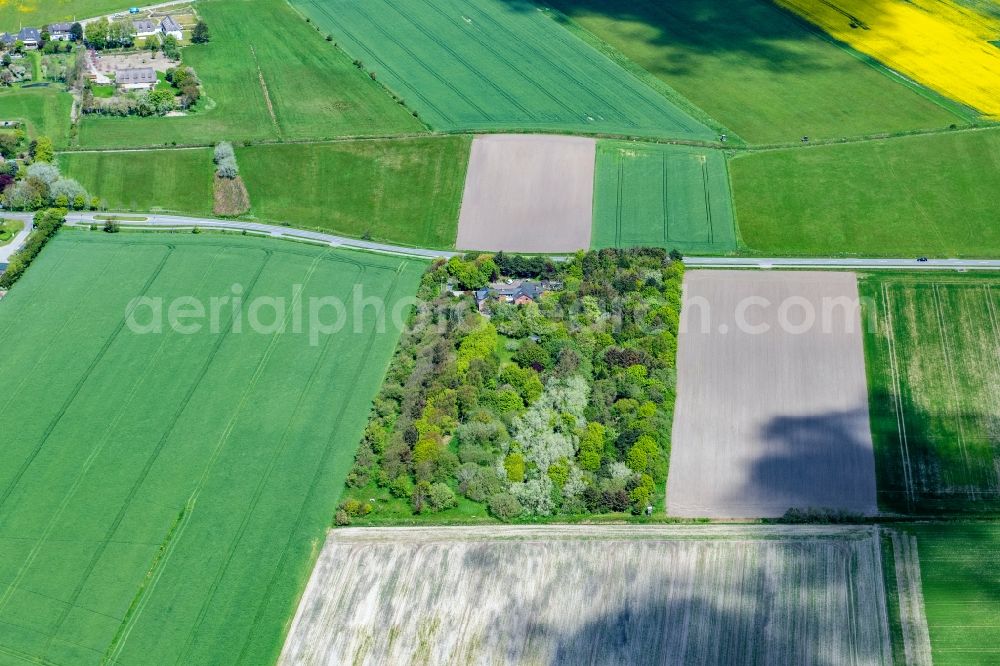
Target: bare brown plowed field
[528,193]
[595,595]
[772,411]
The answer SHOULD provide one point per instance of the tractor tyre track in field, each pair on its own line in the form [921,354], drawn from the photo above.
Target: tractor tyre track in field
[46,350]
[897,398]
[434,72]
[953,380]
[72,397]
[278,450]
[486,81]
[383,65]
[158,448]
[85,468]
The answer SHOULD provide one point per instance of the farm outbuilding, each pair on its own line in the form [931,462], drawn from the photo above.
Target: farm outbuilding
[142,78]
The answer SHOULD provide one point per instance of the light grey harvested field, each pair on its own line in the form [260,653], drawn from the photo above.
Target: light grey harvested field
[528,193]
[769,419]
[595,595]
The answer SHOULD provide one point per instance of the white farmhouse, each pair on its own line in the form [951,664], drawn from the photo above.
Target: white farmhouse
[169,26]
[144,28]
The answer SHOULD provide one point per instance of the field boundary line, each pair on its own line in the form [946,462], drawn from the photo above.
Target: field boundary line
[897,402]
[324,458]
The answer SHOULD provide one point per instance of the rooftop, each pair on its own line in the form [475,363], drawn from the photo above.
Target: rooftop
[144,25]
[135,76]
[169,24]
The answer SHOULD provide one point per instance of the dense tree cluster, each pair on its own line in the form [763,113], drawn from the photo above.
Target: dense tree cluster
[560,406]
[119,33]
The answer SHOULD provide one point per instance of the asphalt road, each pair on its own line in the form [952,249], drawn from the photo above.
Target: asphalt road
[818,263]
[829,263]
[183,222]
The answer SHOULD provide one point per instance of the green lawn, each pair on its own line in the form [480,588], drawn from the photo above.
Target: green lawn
[960,570]
[156,180]
[406,191]
[46,110]
[662,196]
[926,195]
[933,361]
[269,76]
[17,13]
[757,69]
[9,229]
[497,65]
[163,496]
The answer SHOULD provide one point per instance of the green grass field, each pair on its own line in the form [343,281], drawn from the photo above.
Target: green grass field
[960,570]
[270,76]
[405,191]
[934,381]
[17,13]
[151,181]
[9,229]
[167,493]
[757,69]
[45,110]
[924,195]
[497,65]
[662,196]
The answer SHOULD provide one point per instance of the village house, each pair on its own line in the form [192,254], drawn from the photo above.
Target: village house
[141,78]
[8,40]
[144,28]
[60,32]
[30,37]
[169,26]
[518,292]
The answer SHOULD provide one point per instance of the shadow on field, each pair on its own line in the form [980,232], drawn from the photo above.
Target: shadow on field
[697,622]
[819,461]
[945,475]
[750,30]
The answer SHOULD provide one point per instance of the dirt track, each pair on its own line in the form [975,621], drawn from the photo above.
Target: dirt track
[770,421]
[528,193]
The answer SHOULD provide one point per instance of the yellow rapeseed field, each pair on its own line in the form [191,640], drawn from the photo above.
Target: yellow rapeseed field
[938,43]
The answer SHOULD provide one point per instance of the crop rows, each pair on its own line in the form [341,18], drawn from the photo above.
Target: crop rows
[496,65]
[934,382]
[595,595]
[662,196]
[161,492]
